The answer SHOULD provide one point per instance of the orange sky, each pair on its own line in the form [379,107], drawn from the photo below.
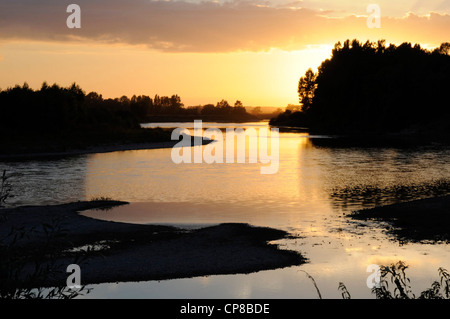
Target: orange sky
[204,51]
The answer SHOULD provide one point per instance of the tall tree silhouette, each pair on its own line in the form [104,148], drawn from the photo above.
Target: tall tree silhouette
[306,87]
[374,88]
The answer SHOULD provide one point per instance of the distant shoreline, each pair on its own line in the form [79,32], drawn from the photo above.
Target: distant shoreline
[106,148]
[90,150]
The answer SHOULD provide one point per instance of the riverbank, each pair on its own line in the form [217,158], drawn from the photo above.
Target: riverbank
[38,144]
[413,221]
[57,235]
[98,148]
[89,150]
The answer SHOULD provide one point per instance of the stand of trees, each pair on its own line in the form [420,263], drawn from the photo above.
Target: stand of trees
[165,109]
[373,88]
[59,110]
[56,117]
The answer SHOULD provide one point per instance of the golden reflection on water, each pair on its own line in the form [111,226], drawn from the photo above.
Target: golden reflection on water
[211,193]
[299,199]
[308,196]
[150,175]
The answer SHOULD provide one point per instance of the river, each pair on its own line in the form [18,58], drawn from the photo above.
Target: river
[309,195]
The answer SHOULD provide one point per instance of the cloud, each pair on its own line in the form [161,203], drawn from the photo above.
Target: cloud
[179,26]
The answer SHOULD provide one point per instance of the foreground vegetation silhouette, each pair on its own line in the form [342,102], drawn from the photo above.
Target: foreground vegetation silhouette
[400,288]
[394,284]
[15,260]
[374,88]
[21,270]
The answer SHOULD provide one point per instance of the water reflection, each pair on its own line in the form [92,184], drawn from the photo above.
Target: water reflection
[46,181]
[314,186]
[377,176]
[371,195]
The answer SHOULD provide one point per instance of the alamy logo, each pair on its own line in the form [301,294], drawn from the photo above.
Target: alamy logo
[74,279]
[374,19]
[235,142]
[74,19]
[374,279]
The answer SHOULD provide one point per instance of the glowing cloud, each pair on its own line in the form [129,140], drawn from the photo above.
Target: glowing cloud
[179,26]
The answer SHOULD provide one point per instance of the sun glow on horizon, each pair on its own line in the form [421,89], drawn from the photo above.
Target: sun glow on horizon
[203,51]
[267,78]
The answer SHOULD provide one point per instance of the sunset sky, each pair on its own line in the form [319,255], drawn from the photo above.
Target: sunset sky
[202,50]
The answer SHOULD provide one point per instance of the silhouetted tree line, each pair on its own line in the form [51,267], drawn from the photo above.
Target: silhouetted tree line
[171,109]
[59,110]
[373,88]
[140,107]
[164,108]
[224,111]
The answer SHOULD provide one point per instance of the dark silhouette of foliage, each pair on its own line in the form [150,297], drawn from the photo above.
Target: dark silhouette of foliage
[344,292]
[57,110]
[5,188]
[306,87]
[21,273]
[22,269]
[238,104]
[55,118]
[373,88]
[395,274]
[394,284]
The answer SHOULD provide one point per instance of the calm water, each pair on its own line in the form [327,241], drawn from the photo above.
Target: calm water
[313,189]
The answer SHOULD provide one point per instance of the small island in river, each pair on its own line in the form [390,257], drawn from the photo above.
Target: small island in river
[413,221]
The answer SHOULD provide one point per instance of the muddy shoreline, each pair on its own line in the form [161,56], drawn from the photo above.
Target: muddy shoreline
[414,221]
[104,148]
[132,252]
